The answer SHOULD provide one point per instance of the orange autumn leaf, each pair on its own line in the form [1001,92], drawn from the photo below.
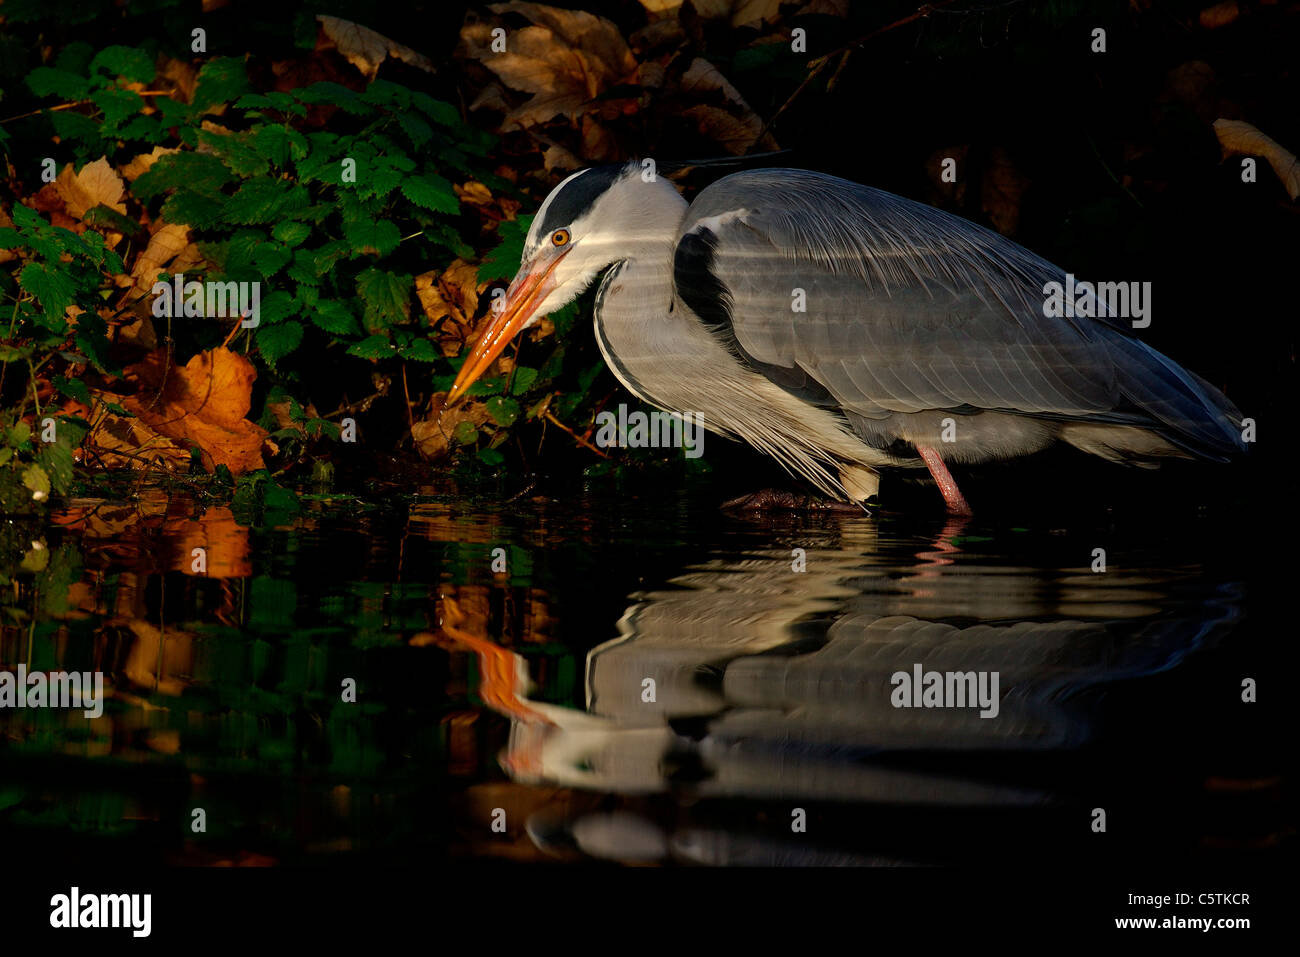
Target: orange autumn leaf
[203,403]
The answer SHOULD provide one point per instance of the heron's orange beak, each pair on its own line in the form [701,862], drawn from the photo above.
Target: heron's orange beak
[522,298]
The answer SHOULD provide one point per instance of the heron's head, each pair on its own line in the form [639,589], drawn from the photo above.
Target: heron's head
[593,219]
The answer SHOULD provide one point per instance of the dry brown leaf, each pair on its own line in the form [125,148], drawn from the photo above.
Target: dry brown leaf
[1219,15]
[142,162]
[204,403]
[433,435]
[1238,138]
[49,201]
[566,59]
[1002,190]
[557,157]
[662,6]
[453,292]
[96,184]
[733,125]
[738,13]
[168,240]
[182,74]
[119,441]
[476,194]
[367,50]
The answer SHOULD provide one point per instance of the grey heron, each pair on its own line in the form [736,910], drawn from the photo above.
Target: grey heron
[844,330]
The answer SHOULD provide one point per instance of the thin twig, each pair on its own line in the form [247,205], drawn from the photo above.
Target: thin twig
[821,62]
[550,417]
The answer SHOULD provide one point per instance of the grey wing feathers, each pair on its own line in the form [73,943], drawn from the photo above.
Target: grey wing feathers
[907,308]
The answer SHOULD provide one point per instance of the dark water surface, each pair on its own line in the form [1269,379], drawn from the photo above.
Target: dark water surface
[522,697]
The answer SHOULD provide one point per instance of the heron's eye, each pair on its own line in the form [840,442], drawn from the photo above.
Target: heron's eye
[560,237]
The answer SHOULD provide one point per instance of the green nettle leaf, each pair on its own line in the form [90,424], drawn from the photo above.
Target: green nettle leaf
[73,389]
[277,341]
[222,80]
[54,459]
[270,258]
[377,179]
[129,62]
[335,317]
[75,57]
[192,209]
[324,258]
[44,81]
[387,295]
[415,128]
[52,286]
[281,102]
[116,104]
[432,192]
[503,411]
[140,127]
[237,151]
[441,112]
[27,218]
[387,94]
[103,216]
[421,350]
[276,306]
[290,233]
[200,172]
[465,433]
[36,480]
[234,255]
[503,262]
[279,144]
[523,380]
[372,347]
[76,128]
[379,237]
[264,201]
[10,238]
[174,112]
[334,94]
[489,456]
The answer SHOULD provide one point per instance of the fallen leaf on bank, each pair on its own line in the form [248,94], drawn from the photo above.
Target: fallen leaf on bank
[204,403]
[96,184]
[367,50]
[119,441]
[49,201]
[1219,15]
[728,121]
[141,163]
[434,436]
[566,59]
[1002,190]
[738,13]
[168,240]
[1238,138]
[474,193]
[452,292]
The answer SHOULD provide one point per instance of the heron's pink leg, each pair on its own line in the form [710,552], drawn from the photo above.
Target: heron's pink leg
[951,494]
